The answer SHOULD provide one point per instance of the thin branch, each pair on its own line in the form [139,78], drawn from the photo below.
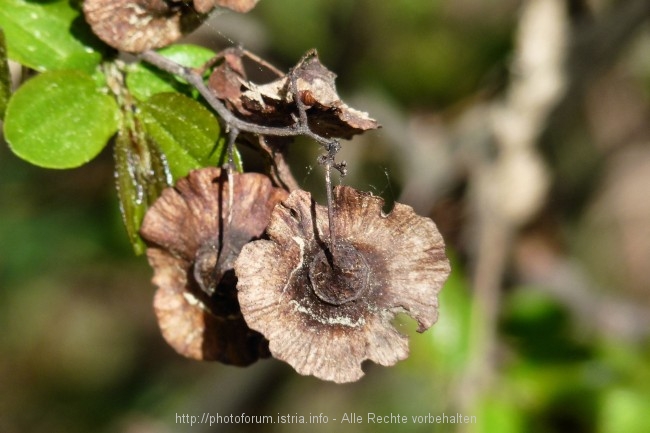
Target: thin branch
[278,167]
[260,61]
[326,160]
[511,188]
[228,118]
[235,125]
[232,136]
[240,51]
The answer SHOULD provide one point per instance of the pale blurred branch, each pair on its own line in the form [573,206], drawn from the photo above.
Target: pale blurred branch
[509,189]
[553,64]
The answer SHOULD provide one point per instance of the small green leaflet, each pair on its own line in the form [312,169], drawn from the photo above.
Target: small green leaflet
[186,132]
[60,120]
[49,35]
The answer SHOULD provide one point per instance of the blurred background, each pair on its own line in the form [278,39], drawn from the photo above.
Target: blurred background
[520,127]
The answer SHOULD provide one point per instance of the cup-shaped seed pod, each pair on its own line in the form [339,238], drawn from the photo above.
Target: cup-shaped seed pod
[138,25]
[193,238]
[325,309]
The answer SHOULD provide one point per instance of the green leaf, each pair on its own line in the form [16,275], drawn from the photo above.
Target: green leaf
[498,413]
[140,175]
[60,120]
[445,346]
[186,132]
[5,76]
[144,81]
[49,35]
[624,410]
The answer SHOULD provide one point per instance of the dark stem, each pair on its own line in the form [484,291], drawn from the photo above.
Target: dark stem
[327,161]
[229,119]
[330,209]
[257,59]
[235,125]
[232,136]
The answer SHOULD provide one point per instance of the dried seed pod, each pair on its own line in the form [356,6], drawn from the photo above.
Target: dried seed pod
[273,103]
[139,25]
[192,248]
[325,310]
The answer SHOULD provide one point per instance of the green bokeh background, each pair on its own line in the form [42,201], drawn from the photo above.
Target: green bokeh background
[79,345]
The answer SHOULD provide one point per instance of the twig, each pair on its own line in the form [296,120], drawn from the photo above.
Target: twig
[240,51]
[278,167]
[232,136]
[235,125]
[229,119]
[511,188]
[327,160]
[260,61]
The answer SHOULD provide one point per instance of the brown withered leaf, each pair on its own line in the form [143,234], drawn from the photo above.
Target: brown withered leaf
[138,25]
[192,248]
[325,309]
[272,104]
[227,79]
